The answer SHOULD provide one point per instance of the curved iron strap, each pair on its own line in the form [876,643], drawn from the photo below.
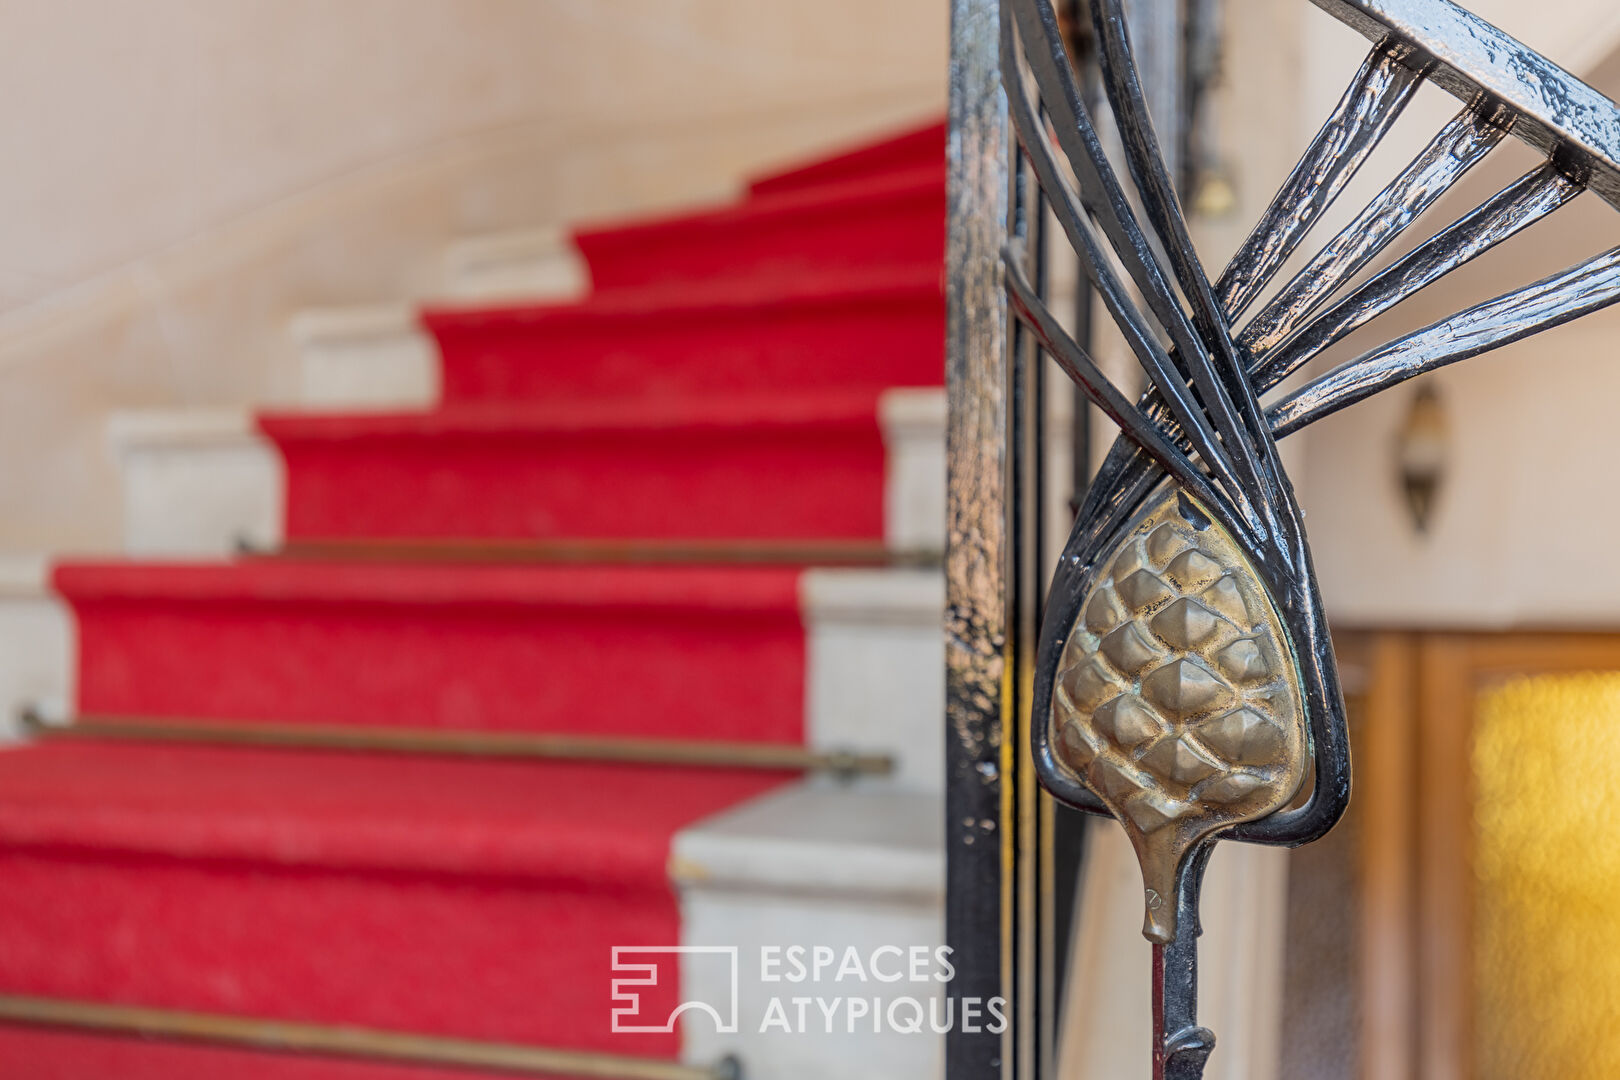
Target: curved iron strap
[1201,430]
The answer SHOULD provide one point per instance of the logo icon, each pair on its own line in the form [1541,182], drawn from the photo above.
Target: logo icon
[638,966]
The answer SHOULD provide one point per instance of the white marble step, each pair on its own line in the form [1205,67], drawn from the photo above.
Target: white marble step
[364,357]
[514,266]
[850,870]
[875,668]
[37,630]
[203,482]
[196,482]
[914,493]
[377,356]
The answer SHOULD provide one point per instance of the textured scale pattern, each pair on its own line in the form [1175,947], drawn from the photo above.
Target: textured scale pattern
[1176,698]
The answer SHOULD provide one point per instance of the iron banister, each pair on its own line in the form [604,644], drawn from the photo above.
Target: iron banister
[1184,681]
[1556,111]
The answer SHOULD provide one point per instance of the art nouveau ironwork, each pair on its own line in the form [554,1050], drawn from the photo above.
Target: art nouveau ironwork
[1184,681]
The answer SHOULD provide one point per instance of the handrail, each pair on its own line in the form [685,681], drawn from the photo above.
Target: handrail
[352,1042]
[475,744]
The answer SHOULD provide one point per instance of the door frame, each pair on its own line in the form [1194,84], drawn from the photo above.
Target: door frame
[1418,692]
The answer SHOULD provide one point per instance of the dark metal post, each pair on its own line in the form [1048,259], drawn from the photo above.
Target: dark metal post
[977,555]
[1180,1045]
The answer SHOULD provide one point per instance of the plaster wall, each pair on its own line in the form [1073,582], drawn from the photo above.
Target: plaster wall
[183,175]
[1525,499]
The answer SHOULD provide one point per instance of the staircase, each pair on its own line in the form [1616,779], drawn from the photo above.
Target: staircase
[543,627]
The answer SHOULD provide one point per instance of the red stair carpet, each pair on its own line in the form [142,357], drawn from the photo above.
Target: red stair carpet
[806,466]
[46,1054]
[675,652]
[720,383]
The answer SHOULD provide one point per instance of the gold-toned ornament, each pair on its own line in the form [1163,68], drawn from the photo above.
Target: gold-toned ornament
[1178,697]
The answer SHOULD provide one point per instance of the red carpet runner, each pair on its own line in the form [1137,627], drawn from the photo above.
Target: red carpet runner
[721,382]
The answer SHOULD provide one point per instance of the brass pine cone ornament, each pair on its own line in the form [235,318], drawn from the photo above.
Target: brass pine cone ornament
[1177,698]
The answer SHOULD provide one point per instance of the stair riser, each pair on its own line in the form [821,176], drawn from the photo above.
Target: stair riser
[364,358]
[478,958]
[196,482]
[755,919]
[625,672]
[748,484]
[193,489]
[36,665]
[914,486]
[813,865]
[877,343]
[534,265]
[876,650]
[902,229]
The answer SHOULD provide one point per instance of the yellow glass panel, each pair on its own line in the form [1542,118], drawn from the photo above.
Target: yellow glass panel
[1547,864]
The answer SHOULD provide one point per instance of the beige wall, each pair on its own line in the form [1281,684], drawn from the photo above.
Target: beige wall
[183,174]
[1524,505]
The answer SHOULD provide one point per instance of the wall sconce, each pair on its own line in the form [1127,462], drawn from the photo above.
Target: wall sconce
[1422,449]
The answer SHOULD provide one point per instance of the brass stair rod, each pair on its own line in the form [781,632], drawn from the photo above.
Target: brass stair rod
[352,1042]
[764,552]
[486,744]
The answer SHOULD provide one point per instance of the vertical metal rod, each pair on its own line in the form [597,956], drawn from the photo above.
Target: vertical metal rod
[1023,361]
[1080,434]
[977,558]
[1033,959]
[1180,1046]
[1158,33]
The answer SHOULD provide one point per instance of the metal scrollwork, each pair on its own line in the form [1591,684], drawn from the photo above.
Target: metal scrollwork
[1185,682]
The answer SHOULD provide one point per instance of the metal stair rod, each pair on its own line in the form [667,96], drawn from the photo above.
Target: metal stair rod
[658,552]
[352,1042]
[482,744]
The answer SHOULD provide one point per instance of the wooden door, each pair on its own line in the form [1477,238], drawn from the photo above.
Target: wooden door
[1484,780]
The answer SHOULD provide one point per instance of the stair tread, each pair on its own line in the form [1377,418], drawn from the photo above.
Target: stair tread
[58,1054]
[737,590]
[702,299]
[815,837]
[682,466]
[466,899]
[510,647]
[870,156]
[607,825]
[853,326]
[839,196]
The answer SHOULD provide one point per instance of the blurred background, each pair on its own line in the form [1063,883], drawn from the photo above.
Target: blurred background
[471,497]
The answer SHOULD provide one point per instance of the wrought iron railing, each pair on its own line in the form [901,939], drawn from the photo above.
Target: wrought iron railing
[1176,674]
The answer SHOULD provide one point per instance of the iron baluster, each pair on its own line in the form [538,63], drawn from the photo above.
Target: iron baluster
[1184,681]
